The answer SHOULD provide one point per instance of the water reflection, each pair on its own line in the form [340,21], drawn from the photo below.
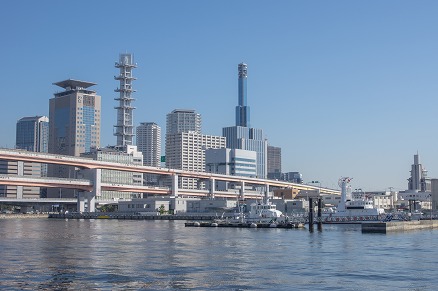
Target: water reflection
[164,255]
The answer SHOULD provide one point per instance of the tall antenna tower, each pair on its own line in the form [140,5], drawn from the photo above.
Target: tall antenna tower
[124,130]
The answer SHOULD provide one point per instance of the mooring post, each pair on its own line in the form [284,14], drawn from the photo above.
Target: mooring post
[319,214]
[310,214]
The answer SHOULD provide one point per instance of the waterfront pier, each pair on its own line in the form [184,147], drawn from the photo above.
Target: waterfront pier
[394,226]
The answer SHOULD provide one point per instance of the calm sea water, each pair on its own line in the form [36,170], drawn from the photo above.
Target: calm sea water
[50,254]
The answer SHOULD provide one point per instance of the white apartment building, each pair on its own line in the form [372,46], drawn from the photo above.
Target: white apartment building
[148,136]
[185,145]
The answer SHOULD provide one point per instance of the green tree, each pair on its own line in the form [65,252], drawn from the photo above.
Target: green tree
[162,209]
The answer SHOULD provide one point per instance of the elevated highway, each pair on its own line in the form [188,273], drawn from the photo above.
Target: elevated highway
[90,188]
[21,155]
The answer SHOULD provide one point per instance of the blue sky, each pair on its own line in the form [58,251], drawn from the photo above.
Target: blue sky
[345,88]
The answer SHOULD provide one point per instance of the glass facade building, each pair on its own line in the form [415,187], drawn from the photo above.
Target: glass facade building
[274,162]
[33,134]
[74,126]
[250,139]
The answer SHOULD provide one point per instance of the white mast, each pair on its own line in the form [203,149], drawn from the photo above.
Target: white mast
[343,184]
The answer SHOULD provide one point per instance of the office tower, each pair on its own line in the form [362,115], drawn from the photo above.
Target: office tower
[128,155]
[124,129]
[242,111]
[418,181]
[241,136]
[185,145]
[274,162]
[33,135]
[148,136]
[294,177]
[233,162]
[74,126]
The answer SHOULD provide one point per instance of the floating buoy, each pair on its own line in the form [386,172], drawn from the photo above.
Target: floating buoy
[214,224]
[253,225]
[196,223]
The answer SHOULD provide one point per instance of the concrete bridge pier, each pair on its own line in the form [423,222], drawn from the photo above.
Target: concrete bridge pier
[266,192]
[91,199]
[86,202]
[212,187]
[81,201]
[175,185]
[242,191]
[95,176]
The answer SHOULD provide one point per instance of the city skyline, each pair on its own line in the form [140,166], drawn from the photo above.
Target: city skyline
[344,89]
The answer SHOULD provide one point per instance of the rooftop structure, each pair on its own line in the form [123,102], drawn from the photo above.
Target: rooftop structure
[72,84]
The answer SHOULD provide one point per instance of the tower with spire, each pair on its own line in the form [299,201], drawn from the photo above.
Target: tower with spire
[242,136]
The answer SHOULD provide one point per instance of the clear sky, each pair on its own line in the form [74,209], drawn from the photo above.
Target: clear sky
[345,88]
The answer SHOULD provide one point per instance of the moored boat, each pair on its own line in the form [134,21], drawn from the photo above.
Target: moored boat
[352,209]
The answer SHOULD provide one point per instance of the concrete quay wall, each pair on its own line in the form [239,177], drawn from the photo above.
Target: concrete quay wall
[393,226]
[115,215]
[15,216]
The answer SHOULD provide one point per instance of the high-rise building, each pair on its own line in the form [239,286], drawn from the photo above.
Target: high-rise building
[33,134]
[242,110]
[418,181]
[274,162]
[148,136]
[124,129]
[183,120]
[233,162]
[74,126]
[241,136]
[185,145]
[294,177]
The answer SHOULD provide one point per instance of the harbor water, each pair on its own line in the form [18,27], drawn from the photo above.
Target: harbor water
[99,254]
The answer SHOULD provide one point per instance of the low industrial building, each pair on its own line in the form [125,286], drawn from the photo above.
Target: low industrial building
[175,205]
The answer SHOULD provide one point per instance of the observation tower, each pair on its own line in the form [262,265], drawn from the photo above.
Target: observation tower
[124,129]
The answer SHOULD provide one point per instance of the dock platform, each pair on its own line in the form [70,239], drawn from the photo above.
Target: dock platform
[394,226]
[244,225]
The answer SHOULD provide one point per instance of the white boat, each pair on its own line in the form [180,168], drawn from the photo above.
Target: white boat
[264,212]
[352,209]
[260,213]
